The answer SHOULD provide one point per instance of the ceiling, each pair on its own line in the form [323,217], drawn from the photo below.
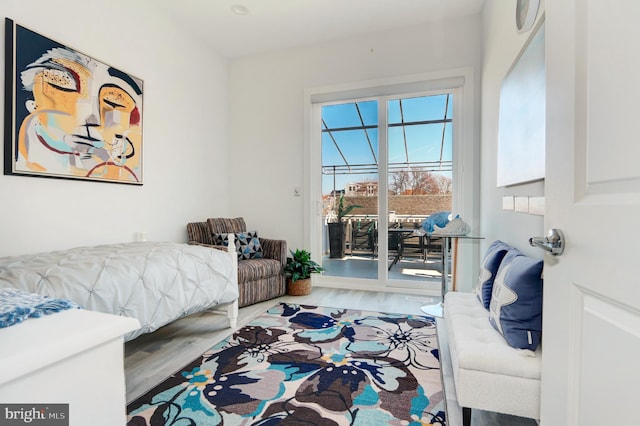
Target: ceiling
[278,24]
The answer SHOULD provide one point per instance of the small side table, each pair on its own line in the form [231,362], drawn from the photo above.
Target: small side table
[437,309]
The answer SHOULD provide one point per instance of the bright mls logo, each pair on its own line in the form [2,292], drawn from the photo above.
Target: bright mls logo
[34,414]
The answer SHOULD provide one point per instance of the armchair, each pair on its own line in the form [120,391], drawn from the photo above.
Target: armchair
[259,279]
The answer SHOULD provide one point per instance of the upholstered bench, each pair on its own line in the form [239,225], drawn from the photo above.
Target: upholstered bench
[488,373]
[494,335]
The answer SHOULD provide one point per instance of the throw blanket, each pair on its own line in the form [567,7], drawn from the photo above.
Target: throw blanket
[16,306]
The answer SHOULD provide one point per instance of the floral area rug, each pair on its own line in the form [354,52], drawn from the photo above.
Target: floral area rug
[308,365]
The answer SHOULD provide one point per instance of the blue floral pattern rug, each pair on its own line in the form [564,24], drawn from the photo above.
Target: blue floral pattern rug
[300,364]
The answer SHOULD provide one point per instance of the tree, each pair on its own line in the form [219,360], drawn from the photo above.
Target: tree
[419,182]
[444,184]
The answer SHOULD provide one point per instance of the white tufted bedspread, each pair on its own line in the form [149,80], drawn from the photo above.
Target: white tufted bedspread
[153,282]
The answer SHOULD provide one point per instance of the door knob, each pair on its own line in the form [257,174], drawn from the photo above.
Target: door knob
[553,242]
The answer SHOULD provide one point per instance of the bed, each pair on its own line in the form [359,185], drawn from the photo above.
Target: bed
[154,282]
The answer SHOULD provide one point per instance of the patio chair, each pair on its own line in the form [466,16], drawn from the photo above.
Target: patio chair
[363,236]
[413,245]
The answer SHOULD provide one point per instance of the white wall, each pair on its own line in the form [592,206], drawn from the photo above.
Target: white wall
[267,108]
[185,140]
[501,46]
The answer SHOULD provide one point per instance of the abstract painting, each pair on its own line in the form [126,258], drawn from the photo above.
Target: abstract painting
[69,115]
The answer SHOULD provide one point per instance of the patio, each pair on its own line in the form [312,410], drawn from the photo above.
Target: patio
[415,264]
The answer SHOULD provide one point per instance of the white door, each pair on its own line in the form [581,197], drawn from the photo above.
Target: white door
[591,337]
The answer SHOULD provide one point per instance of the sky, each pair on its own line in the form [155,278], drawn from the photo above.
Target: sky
[423,141]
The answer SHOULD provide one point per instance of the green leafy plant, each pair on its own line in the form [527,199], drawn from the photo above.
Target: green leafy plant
[345,210]
[300,266]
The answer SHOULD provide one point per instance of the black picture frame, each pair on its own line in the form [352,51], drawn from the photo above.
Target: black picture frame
[67,114]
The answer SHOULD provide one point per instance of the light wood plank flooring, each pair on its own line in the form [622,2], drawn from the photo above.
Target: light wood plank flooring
[151,358]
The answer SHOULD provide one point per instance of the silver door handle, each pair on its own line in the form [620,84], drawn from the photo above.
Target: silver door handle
[553,242]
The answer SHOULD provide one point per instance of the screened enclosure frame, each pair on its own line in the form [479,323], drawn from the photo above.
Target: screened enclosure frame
[352,168]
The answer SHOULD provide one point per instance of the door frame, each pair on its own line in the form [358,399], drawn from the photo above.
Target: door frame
[466,159]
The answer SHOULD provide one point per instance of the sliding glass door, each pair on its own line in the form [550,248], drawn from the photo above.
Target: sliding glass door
[386,165]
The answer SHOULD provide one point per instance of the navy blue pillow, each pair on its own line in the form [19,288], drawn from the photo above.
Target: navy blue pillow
[516,301]
[488,270]
[440,218]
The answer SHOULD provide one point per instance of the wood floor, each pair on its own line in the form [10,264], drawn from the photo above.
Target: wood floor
[151,358]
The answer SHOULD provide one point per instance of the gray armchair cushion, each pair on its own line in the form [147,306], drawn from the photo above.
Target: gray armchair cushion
[255,269]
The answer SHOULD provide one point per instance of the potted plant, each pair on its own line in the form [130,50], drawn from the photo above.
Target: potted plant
[337,230]
[298,270]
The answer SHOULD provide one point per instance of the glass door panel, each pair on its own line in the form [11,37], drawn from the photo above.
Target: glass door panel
[350,189]
[419,176]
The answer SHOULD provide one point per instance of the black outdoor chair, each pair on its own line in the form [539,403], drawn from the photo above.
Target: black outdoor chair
[363,236]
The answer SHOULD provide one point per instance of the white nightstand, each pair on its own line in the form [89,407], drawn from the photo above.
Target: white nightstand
[72,357]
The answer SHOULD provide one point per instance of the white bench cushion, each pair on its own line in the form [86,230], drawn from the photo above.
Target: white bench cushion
[488,373]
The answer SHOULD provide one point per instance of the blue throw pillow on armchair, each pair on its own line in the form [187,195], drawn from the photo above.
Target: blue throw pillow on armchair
[516,301]
[488,270]
[247,243]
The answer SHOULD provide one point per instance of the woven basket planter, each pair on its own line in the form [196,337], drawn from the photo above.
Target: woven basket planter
[298,288]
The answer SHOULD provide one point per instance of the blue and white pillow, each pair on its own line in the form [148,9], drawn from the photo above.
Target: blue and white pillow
[516,301]
[247,244]
[440,218]
[488,270]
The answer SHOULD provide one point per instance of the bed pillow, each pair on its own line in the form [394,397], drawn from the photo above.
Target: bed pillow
[516,301]
[488,270]
[247,244]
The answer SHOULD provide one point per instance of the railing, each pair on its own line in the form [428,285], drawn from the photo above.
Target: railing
[393,218]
